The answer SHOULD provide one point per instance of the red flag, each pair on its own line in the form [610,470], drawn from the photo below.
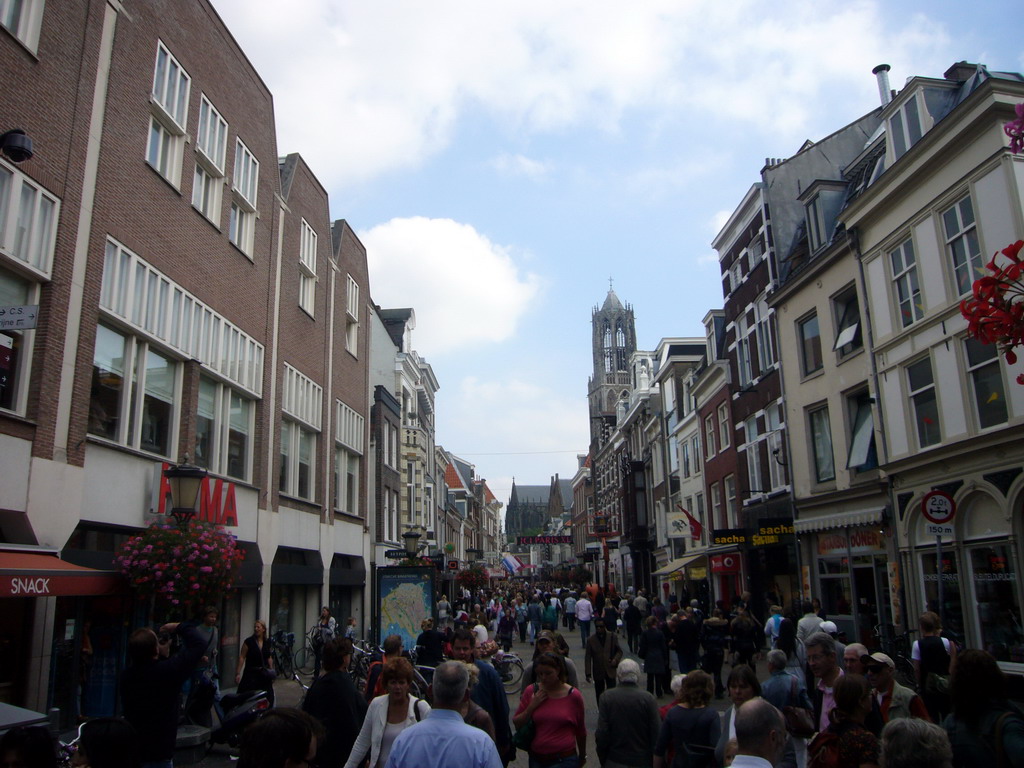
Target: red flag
[696,529]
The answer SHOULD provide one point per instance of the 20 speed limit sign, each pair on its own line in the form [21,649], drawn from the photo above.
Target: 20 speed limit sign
[938,509]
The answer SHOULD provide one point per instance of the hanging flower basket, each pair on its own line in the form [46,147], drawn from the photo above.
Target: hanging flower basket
[182,568]
[473,578]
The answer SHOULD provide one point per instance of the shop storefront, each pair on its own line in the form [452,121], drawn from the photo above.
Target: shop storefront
[981,595]
[297,577]
[347,579]
[81,662]
[852,575]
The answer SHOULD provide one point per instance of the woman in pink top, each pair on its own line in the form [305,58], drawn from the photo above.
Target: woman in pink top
[556,708]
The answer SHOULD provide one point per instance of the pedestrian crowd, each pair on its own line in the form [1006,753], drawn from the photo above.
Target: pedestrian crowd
[818,703]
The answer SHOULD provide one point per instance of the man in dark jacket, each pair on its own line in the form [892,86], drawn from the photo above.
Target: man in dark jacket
[687,642]
[602,657]
[628,721]
[335,702]
[151,687]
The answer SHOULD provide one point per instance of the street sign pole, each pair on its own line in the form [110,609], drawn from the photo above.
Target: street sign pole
[938,571]
[938,509]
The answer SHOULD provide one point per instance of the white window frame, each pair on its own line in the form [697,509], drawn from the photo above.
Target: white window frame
[244,195]
[169,100]
[819,429]
[906,288]
[352,319]
[849,333]
[301,397]
[735,274]
[295,435]
[718,513]
[753,451]
[132,396]
[965,238]
[143,298]
[219,460]
[709,436]
[916,395]
[763,330]
[973,370]
[724,427]
[776,468]
[28,228]
[347,468]
[744,364]
[307,268]
[684,451]
[211,156]
[815,223]
[731,507]
[905,125]
[862,429]
[27,24]
[21,343]
[695,452]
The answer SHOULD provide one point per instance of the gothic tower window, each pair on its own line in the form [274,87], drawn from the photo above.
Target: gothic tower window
[620,335]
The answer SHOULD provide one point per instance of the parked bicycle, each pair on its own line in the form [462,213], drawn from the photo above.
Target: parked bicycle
[305,657]
[510,669]
[359,666]
[897,646]
[281,643]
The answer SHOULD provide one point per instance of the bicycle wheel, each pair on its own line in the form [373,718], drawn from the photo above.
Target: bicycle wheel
[511,675]
[285,667]
[904,673]
[304,659]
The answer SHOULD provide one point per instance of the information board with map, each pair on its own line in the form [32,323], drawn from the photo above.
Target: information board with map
[405,597]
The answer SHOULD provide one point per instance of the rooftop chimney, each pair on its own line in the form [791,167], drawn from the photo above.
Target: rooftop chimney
[961,71]
[881,72]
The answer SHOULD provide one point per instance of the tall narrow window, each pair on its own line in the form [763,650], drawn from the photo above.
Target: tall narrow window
[245,187]
[709,437]
[810,344]
[307,267]
[862,453]
[909,302]
[821,444]
[23,19]
[724,426]
[848,327]
[921,387]
[211,155]
[169,115]
[962,241]
[986,382]
[753,454]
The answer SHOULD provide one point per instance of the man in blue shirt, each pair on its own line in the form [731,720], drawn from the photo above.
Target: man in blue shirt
[442,739]
[488,693]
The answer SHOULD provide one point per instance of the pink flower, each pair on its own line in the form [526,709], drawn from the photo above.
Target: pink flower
[206,569]
[1015,130]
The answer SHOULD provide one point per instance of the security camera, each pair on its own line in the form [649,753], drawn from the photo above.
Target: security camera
[16,145]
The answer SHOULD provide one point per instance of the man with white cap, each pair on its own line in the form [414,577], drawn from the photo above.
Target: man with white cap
[894,700]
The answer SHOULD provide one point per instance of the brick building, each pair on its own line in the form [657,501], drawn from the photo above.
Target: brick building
[193,298]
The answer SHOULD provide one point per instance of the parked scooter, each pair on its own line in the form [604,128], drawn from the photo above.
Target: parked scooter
[240,709]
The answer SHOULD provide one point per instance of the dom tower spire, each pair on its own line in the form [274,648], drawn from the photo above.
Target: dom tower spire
[613,341]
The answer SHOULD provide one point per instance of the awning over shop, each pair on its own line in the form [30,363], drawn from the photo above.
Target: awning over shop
[677,564]
[841,520]
[40,574]
[347,571]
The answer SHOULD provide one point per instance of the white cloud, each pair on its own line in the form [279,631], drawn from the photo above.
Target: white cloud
[519,427]
[519,165]
[464,288]
[362,89]
[718,220]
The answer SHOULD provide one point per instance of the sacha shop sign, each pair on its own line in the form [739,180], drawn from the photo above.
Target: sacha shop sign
[216,499]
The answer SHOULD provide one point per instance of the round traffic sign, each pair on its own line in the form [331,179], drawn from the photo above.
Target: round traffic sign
[938,507]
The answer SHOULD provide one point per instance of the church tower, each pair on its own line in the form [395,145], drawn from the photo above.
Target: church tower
[613,341]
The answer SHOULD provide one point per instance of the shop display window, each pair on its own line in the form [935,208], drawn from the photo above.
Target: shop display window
[998,602]
[953,617]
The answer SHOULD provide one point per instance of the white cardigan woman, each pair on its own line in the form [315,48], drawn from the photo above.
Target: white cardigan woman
[372,732]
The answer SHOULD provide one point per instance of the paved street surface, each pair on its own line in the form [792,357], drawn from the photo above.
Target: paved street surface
[289,694]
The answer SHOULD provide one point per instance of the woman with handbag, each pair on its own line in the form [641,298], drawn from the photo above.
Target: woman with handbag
[255,664]
[549,720]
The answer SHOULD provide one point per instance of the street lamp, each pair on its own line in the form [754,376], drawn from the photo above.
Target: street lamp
[412,543]
[185,481]
[475,554]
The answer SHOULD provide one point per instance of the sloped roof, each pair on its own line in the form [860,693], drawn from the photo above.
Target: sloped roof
[451,477]
[611,301]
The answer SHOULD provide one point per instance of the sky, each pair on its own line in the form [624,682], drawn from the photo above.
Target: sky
[502,161]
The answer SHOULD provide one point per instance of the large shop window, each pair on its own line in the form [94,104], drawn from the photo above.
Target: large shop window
[133,397]
[953,617]
[223,430]
[995,594]
[15,346]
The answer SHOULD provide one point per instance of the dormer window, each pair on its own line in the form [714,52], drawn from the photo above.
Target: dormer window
[905,127]
[822,201]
